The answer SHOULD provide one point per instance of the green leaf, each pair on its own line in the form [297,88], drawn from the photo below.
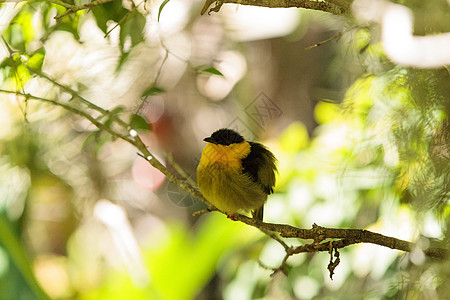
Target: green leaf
[153,90]
[325,112]
[122,59]
[89,139]
[7,68]
[117,110]
[161,7]
[69,24]
[213,239]
[108,11]
[294,138]
[14,37]
[101,17]
[15,250]
[139,123]
[133,27]
[109,123]
[137,24]
[24,20]
[37,59]
[101,140]
[23,75]
[68,27]
[211,70]
[96,140]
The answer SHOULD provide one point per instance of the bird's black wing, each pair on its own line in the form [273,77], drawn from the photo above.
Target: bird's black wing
[260,166]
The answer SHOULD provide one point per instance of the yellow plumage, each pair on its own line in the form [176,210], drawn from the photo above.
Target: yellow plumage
[235,175]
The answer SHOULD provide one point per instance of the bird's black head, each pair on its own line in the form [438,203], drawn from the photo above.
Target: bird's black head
[225,137]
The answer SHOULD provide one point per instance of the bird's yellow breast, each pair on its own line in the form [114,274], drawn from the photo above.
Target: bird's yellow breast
[221,179]
[230,156]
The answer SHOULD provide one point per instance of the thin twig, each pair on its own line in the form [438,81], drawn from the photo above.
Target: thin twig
[17,77]
[158,74]
[120,22]
[181,172]
[282,267]
[201,212]
[276,238]
[163,61]
[337,36]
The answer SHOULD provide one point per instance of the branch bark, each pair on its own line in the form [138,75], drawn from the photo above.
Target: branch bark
[336,7]
[345,238]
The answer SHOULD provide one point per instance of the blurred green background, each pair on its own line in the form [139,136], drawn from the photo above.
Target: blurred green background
[362,142]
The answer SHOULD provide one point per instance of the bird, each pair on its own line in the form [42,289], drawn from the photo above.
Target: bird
[236,175]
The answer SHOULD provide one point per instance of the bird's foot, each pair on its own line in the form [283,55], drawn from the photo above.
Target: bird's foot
[231,217]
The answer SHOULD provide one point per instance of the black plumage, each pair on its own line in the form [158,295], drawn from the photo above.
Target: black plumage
[225,137]
[260,169]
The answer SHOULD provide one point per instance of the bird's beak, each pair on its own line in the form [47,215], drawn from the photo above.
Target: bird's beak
[210,140]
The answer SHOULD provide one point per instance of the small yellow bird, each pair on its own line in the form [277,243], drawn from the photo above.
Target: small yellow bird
[235,175]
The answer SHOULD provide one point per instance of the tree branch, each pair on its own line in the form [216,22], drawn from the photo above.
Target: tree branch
[336,7]
[319,235]
[74,8]
[347,237]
